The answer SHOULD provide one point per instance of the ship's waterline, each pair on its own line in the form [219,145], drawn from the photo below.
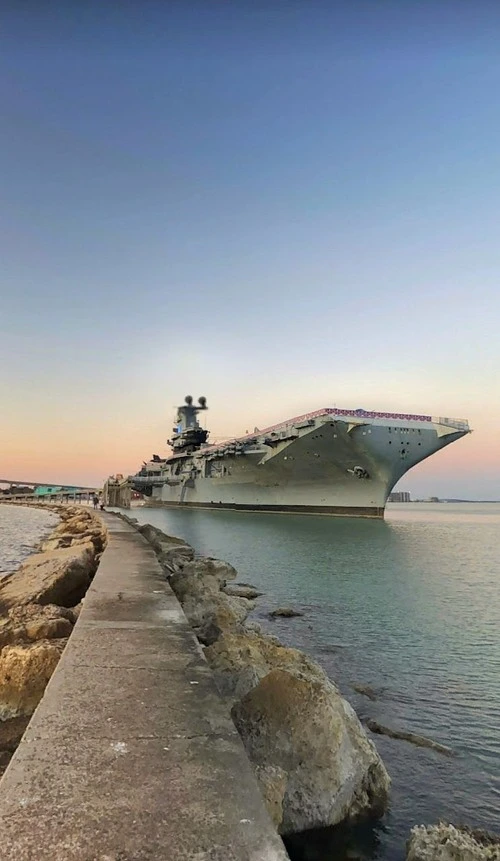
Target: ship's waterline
[322,510]
[331,461]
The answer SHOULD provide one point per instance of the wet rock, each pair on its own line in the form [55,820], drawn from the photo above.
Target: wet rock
[412,737]
[446,843]
[240,659]
[242,591]
[55,577]
[285,612]
[365,690]
[24,673]
[302,726]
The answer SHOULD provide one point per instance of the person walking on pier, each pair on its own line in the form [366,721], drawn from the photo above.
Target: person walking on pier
[95,500]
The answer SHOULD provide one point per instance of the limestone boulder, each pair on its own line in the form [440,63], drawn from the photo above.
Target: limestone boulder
[56,543]
[272,782]
[55,577]
[240,659]
[26,613]
[300,724]
[159,539]
[215,613]
[35,622]
[95,535]
[72,526]
[201,577]
[243,592]
[48,629]
[24,673]
[172,558]
[285,613]
[446,843]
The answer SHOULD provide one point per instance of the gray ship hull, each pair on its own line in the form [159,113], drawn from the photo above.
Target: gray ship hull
[318,465]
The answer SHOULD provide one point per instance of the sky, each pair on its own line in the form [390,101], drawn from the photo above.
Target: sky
[279,206]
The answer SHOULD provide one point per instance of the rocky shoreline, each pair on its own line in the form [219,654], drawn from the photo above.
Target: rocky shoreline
[39,605]
[314,762]
[315,765]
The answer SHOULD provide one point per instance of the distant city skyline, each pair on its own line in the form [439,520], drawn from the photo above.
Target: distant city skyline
[281,207]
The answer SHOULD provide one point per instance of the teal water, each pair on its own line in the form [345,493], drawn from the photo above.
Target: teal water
[410,606]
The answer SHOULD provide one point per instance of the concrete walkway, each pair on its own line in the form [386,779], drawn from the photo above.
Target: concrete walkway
[131,755]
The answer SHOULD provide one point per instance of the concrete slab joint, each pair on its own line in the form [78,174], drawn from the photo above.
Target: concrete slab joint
[131,754]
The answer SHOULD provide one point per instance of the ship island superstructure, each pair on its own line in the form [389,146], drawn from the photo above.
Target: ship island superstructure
[330,461]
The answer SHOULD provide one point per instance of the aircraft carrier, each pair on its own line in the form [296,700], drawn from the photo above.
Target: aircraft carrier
[331,461]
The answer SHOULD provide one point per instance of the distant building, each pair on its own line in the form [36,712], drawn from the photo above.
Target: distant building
[400,496]
[44,490]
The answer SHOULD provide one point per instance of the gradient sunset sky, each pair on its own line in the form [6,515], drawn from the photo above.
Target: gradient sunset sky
[281,206]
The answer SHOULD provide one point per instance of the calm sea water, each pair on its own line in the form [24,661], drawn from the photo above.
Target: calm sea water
[410,606]
[21,529]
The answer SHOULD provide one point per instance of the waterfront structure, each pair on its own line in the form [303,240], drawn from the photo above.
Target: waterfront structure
[399,496]
[330,461]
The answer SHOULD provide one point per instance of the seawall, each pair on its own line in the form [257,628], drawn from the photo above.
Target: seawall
[131,754]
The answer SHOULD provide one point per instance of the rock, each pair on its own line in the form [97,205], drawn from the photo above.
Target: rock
[55,577]
[201,577]
[302,725]
[26,613]
[240,659]
[412,737]
[286,612]
[446,843]
[214,614]
[24,673]
[366,690]
[48,629]
[159,539]
[35,622]
[172,552]
[72,526]
[272,782]
[173,558]
[242,592]
[253,627]
[77,531]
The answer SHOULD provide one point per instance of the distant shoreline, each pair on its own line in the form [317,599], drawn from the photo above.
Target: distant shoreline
[448,501]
